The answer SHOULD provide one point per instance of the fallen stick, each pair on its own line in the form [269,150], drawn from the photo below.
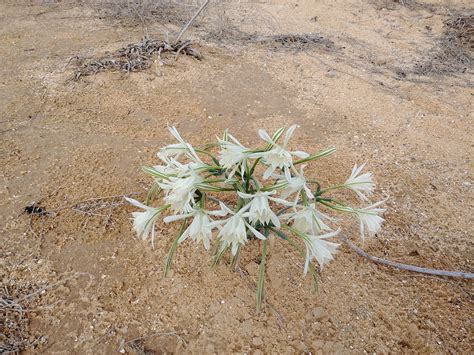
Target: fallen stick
[185,28]
[461,274]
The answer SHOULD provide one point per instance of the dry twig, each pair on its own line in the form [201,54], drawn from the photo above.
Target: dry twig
[400,266]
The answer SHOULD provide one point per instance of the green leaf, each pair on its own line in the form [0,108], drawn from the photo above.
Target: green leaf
[320,154]
[279,233]
[154,172]
[218,253]
[276,136]
[174,246]
[154,191]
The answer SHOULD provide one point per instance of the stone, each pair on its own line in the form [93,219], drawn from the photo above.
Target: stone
[300,346]
[319,313]
[257,341]
[252,268]
[247,327]
[317,344]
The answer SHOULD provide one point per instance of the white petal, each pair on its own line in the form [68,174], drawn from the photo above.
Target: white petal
[175,134]
[268,172]
[281,201]
[136,203]
[264,135]
[289,133]
[255,232]
[177,217]
[225,208]
[244,195]
[300,154]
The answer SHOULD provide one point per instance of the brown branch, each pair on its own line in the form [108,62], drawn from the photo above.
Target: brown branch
[396,265]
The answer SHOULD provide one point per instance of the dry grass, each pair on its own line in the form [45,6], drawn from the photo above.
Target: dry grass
[453,51]
[143,12]
[14,326]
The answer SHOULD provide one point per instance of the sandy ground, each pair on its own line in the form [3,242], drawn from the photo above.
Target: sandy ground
[63,143]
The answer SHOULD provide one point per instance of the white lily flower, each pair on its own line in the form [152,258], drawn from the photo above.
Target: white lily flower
[233,154]
[234,231]
[259,207]
[180,190]
[176,150]
[362,185]
[172,168]
[175,168]
[201,227]
[296,183]
[278,156]
[319,248]
[144,222]
[369,218]
[309,219]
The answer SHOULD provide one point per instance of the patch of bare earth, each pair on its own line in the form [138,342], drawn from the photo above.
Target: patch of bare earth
[100,290]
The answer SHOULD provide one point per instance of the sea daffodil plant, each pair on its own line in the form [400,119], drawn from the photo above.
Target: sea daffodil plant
[267,195]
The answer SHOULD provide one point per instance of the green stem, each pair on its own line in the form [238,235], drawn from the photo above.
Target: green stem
[331,188]
[337,207]
[254,166]
[261,276]
[214,159]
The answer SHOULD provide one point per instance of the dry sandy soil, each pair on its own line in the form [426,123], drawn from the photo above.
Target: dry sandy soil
[379,87]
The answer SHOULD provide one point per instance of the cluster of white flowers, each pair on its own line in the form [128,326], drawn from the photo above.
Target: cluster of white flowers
[277,199]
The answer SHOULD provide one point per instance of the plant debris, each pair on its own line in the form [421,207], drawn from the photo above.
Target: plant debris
[464,29]
[137,57]
[453,50]
[297,41]
[280,42]
[35,209]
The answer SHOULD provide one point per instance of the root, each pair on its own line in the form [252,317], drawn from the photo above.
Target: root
[135,57]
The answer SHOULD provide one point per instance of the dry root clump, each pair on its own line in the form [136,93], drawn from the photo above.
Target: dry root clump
[137,57]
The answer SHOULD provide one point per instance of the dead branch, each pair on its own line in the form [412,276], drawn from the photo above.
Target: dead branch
[92,205]
[400,266]
[185,28]
[158,334]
